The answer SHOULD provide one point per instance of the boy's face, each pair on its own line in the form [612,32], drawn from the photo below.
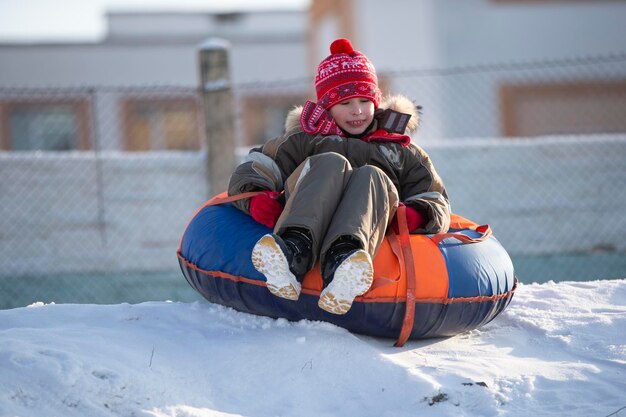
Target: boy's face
[353,115]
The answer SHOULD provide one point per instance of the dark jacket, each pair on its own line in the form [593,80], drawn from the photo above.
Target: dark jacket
[408,167]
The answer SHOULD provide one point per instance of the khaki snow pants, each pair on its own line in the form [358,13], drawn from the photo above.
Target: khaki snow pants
[330,198]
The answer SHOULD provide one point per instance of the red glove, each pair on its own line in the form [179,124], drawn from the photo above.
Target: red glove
[414,219]
[265,209]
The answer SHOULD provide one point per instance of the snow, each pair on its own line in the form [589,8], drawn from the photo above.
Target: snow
[558,350]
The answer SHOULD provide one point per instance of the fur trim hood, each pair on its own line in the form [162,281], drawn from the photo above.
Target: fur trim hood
[398,103]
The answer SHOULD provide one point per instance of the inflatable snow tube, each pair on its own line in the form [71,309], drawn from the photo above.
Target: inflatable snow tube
[424,285]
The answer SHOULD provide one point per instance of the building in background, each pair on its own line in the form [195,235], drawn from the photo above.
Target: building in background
[479,68]
[102,85]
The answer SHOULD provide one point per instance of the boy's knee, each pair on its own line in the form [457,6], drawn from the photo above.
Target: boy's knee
[330,160]
[371,171]
[370,174]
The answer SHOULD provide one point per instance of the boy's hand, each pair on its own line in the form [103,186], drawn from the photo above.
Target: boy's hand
[265,209]
[414,219]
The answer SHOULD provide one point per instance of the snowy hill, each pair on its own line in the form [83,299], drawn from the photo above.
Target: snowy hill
[558,350]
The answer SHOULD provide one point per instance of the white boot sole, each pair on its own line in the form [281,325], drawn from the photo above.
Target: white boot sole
[269,259]
[352,278]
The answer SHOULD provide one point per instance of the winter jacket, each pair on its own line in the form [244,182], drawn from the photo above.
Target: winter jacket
[407,166]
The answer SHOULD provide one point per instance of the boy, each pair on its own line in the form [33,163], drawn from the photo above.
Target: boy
[345,163]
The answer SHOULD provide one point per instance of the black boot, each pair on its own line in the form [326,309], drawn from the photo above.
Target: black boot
[284,261]
[338,252]
[348,272]
[299,245]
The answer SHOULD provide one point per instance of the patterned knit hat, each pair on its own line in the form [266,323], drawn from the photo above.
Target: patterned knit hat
[345,74]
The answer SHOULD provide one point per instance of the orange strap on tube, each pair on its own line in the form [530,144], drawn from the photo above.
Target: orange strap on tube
[225,198]
[411,285]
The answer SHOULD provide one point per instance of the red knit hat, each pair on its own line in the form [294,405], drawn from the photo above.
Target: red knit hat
[345,74]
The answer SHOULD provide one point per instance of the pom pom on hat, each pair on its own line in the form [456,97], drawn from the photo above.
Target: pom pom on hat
[341,46]
[344,74]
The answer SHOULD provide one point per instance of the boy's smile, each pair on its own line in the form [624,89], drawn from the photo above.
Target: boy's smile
[353,115]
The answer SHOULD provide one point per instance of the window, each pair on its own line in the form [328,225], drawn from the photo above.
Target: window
[161,124]
[265,116]
[44,126]
[563,108]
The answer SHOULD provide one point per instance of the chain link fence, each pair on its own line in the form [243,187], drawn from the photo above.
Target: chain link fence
[97,184]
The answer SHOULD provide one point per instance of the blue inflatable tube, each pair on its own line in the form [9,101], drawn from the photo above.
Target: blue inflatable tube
[460,280]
